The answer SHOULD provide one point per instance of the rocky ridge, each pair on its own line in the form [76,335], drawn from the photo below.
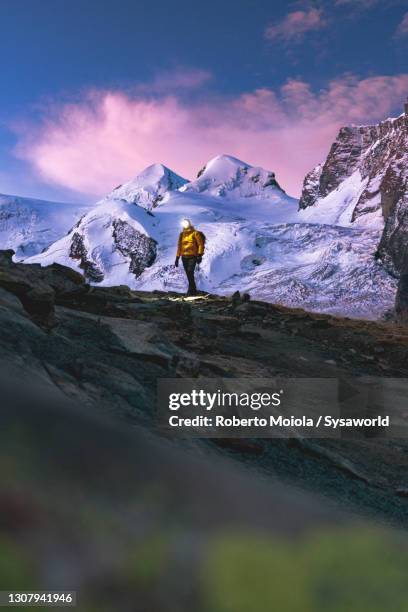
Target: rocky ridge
[367,169]
[105,347]
[93,493]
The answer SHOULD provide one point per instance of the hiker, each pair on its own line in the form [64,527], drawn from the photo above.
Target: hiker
[191,249]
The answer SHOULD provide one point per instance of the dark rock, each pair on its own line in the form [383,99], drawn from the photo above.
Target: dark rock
[141,249]
[39,300]
[401,302]
[241,445]
[243,309]
[6,257]
[236,298]
[106,348]
[79,252]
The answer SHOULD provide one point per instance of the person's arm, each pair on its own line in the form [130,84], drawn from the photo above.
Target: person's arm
[176,262]
[179,247]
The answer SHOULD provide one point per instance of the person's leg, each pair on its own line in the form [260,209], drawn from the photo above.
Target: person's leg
[189,264]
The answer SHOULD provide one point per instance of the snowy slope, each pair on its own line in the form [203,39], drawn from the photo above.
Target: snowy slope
[338,207]
[257,241]
[29,226]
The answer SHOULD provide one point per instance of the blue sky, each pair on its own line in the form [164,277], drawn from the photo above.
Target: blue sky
[206,55]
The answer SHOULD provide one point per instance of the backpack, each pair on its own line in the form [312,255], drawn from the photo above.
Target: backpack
[203,236]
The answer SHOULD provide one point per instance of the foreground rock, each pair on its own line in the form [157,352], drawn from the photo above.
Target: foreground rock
[105,348]
[92,494]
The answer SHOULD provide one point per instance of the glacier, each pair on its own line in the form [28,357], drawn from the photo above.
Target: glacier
[29,226]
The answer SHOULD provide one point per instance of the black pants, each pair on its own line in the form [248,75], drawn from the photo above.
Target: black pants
[189,264]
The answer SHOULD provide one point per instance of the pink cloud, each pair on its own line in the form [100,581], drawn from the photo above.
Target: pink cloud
[402,29]
[296,24]
[108,136]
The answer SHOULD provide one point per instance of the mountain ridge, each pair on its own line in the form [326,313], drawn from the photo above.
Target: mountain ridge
[368,165]
[257,244]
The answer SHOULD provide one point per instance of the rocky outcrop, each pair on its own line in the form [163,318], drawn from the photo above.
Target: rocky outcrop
[375,159]
[141,249]
[401,302]
[92,490]
[106,346]
[79,252]
[341,162]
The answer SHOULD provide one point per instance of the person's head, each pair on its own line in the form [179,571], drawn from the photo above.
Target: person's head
[186,224]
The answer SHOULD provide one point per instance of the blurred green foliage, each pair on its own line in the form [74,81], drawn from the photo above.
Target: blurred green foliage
[17,571]
[342,571]
[147,562]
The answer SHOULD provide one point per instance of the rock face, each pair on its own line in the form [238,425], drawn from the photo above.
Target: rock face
[79,252]
[105,348]
[92,489]
[401,302]
[141,249]
[366,171]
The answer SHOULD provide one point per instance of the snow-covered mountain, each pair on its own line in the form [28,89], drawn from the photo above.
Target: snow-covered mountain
[149,188]
[29,226]
[257,241]
[231,178]
[364,182]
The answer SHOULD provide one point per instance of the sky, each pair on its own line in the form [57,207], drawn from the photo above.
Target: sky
[93,91]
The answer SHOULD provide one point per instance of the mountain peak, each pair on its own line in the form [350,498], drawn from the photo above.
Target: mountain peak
[222,164]
[150,187]
[155,170]
[228,176]
[228,159]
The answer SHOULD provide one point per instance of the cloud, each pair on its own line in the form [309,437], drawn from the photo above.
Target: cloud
[402,29]
[107,137]
[296,24]
[174,80]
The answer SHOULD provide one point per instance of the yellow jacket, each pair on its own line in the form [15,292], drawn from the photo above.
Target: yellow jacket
[190,243]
